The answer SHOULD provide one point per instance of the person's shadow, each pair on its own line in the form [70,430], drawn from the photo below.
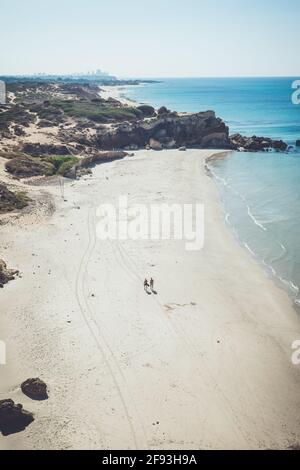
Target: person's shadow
[147,291]
[153,291]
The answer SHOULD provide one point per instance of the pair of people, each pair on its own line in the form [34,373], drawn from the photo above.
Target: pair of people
[151,285]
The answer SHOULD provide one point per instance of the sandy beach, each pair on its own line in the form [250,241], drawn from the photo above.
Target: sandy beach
[117,93]
[204,364]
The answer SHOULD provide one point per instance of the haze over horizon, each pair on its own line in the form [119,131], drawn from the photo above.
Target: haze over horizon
[194,38]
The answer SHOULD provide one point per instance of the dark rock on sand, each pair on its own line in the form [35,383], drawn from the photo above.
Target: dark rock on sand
[19,131]
[6,274]
[13,418]
[35,389]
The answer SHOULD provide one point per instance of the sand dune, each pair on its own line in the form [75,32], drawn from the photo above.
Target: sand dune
[205,363]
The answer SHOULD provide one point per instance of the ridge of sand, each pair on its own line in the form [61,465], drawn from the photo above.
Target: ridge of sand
[204,364]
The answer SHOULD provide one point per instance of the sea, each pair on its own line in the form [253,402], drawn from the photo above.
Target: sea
[260,192]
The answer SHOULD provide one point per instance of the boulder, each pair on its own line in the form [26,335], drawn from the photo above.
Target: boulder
[163,110]
[182,149]
[35,389]
[155,144]
[148,111]
[255,143]
[279,145]
[215,140]
[6,274]
[19,131]
[13,418]
[169,144]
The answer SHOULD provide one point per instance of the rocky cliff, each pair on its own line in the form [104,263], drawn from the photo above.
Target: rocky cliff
[170,130]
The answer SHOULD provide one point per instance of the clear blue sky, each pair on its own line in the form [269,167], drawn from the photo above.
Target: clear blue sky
[146,38]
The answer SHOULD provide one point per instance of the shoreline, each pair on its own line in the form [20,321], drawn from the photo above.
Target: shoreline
[285,284]
[125,351]
[116,92]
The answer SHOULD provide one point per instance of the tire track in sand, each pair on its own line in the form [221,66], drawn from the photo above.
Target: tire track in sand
[189,347]
[84,309]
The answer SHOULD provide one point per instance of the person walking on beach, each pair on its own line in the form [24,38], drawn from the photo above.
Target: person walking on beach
[146,285]
[151,283]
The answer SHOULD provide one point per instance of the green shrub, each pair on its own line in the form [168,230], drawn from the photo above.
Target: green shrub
[95,111]
[66,166]
[62,163]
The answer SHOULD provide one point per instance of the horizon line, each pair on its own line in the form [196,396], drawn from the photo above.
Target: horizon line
[139,77]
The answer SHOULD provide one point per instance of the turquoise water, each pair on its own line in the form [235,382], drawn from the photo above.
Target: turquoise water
[261,197]
[261,106]
[260,191]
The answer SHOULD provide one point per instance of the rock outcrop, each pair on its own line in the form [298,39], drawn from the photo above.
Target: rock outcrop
[163,110]
[148,111]
[102,157]
[82,167]
[6,274]
[13,418]
[35,389]
[10,201]
[24,167]
[256,144]
[37,150]
[155,144]
[203,130]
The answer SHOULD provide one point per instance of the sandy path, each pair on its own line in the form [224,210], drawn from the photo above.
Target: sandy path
[203,364]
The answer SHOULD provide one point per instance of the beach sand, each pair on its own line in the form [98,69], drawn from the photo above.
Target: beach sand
[117,93]
[204,364]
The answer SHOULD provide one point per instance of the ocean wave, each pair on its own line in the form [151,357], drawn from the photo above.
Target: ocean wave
[288,284]
[259,224]
[241,196]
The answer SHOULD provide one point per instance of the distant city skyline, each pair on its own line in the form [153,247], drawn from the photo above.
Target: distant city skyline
[96,73]
[173,38]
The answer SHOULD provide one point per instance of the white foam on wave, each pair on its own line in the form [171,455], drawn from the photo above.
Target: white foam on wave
[242,197]
[285,282]
[249,249]
[259,224]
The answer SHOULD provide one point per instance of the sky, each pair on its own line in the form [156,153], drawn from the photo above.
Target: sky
[151,38]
